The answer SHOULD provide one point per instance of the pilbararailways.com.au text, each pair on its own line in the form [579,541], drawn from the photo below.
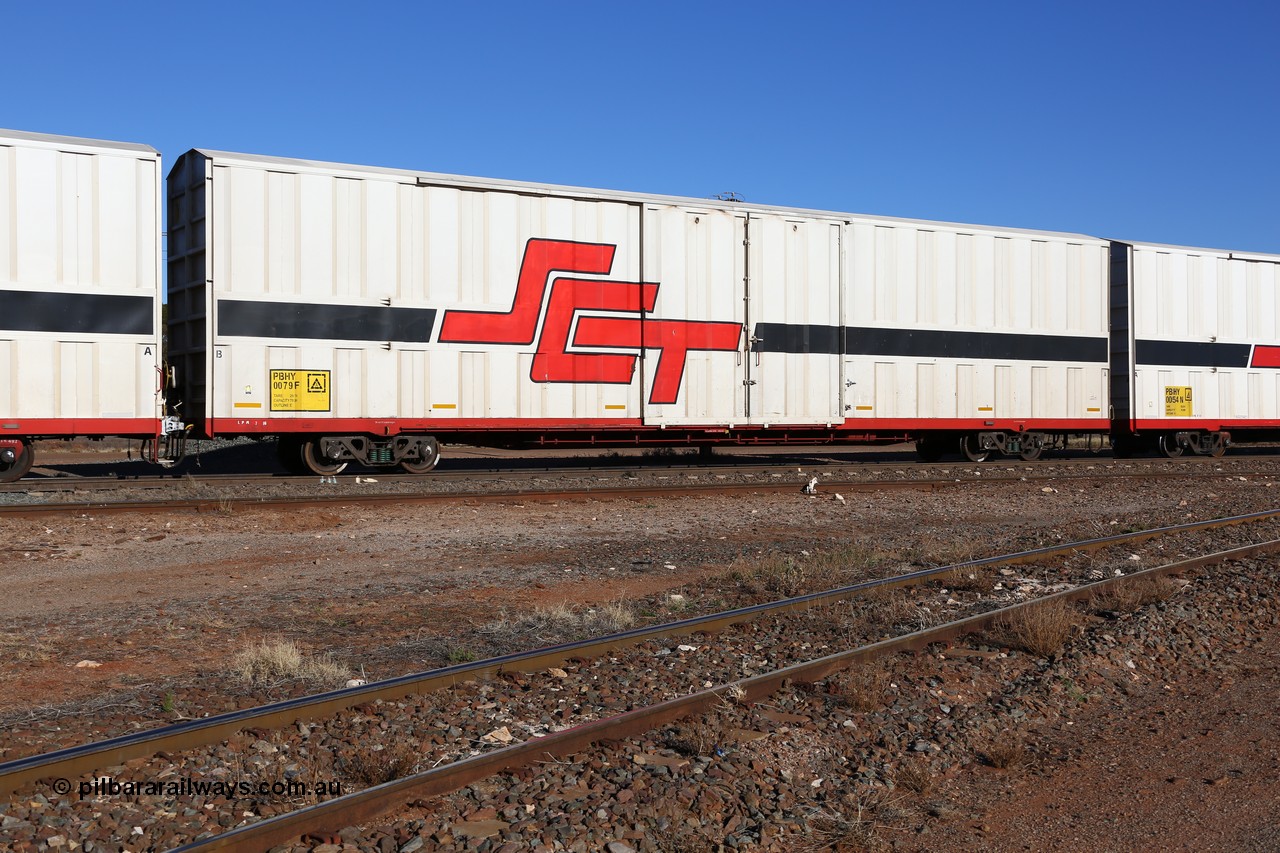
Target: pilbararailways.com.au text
[106,787]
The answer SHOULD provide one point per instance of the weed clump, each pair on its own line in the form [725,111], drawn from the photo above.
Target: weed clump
[1042,629]
[271,661]
[1127,597]
[1004,752]
[370,766]
[559,624]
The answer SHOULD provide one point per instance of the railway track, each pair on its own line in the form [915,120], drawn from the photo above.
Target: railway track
[228,492]
[64,478]
[598,723]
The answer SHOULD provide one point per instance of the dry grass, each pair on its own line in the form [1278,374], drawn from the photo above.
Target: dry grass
[967,580]
[1004,752]
[271,661]
[1127,597]
[559,624]
[23,649]
[855,823]
[370,766]
[1042,629]
[860,688]
[787,575]
[913,776]
[889,612]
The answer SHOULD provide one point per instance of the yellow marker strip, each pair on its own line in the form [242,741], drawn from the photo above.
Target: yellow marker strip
[863,408]
[985,409]
[1093,409]
[608,406]
[248,405]
[444,405]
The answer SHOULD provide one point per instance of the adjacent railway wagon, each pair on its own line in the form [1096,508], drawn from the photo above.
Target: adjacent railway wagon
[370,314]
[79,292]
[1195,348]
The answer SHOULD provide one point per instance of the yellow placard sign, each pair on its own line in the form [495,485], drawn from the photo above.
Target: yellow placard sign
[1177,401]
[299,390]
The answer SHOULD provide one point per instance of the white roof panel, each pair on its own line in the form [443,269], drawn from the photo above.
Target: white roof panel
[588,193]
[53,141]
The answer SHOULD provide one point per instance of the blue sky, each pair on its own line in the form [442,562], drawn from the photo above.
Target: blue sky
[1142,121]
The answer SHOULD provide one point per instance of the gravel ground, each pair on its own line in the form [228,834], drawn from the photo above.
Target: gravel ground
[163,602]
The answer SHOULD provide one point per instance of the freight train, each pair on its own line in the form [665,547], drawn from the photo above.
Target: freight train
[370,315]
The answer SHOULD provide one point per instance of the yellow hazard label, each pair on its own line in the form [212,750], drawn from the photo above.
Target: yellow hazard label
[299,390]
[1177,401]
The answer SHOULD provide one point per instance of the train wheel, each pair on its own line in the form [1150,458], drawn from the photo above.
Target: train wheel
[1219,446]
[317,463]
[1168,444]
[1031,454]
[973,450]
[18,468]
[430,456]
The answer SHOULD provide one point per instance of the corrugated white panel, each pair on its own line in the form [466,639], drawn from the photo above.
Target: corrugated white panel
[926,390]
[353,386]
[1007,397]
[369,241]
[966,391]
[794,268]
[414,388]
[908,277]
[79,219]
[8,377]
[1203,297]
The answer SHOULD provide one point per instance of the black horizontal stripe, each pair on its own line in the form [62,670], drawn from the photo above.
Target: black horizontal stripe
[246,319]
[927,343]
[75,313]
[1191,353]
[797,338]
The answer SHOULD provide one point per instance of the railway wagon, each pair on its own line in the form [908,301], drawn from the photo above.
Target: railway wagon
[80,328]
[1195,348]
[368,314]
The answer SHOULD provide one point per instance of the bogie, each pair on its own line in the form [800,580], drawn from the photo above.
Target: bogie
[16,459]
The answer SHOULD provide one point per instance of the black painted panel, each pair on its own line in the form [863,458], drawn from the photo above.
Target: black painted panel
[75,313]
[238,318]
[928,343]
[1191,353]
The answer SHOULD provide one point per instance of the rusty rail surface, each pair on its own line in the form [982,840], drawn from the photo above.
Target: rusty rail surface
[363,806]
[76,761]
[612,491]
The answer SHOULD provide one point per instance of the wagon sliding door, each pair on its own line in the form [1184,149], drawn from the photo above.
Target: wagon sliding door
[793,368]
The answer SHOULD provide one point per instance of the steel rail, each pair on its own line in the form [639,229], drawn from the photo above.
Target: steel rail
[625,491]
[749,464]
[78,760]
[362,806]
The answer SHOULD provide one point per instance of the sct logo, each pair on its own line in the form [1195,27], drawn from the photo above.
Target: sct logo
[553,361]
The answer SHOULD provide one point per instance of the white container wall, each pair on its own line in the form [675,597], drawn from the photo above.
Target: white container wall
[973,326]
[79,286]
[1207,321]
[405,301]
[422,300]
